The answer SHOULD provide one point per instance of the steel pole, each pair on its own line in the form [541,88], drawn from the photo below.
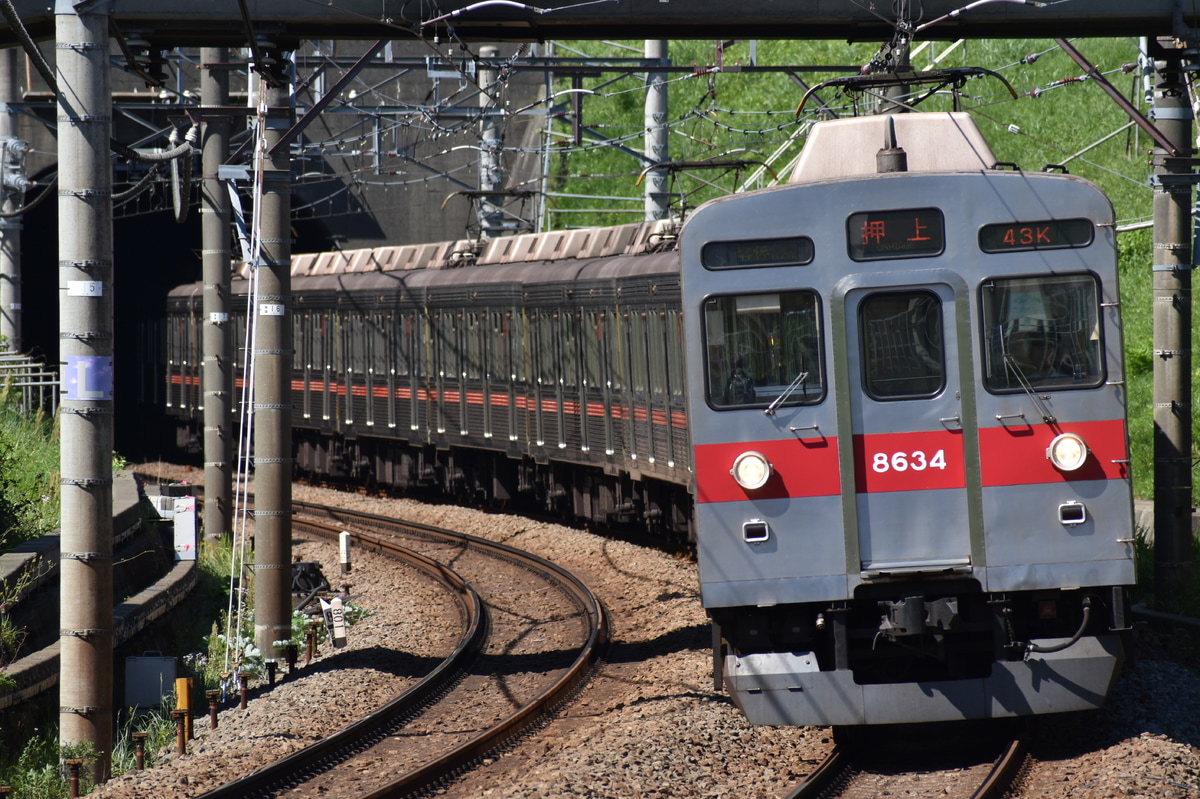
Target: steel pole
[1172,265]
[86,346]
[10,227]
[657,196]
[272,392]
[217,374]
[491,149]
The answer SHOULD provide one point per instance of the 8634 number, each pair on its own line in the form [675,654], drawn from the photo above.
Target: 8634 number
[917,461]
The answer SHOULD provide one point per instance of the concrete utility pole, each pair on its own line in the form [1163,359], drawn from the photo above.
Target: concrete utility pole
[215,214]
[1172,267]
[10,227]
[273,389]
[657,194]
[491,152]
[85,250]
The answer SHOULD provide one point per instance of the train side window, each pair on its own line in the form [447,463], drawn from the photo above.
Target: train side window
[1042,333]
[903,346]
[761,347]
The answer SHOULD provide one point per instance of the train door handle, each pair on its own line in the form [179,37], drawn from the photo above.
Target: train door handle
[947,420]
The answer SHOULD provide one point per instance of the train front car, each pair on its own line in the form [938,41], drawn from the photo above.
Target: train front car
[912,486]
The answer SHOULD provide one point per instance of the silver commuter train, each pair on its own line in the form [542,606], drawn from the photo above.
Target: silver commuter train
[908,423]
[902,454]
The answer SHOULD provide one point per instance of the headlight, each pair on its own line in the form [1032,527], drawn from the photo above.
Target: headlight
[751,470]
[1067,452]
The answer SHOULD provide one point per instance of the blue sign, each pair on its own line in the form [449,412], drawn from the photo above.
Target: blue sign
[87,377]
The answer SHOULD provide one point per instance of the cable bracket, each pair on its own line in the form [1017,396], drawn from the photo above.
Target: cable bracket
[85,557]
[83,632]
[85,482]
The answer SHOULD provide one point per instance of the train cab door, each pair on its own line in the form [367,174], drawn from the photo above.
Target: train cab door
[908,414]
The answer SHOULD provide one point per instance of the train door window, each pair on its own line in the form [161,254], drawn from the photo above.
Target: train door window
[447,345]
[521,346]
[545,361]
[1042,333]
[341,354]
[474,345]
[354,344]
[570,344]
[380,324]
[674,353]
[655,345]
[320,352]
[593,341]
[764,348]
[367,337]
[637,351]
[903,345]
[402,357]
[297,339]
[501,365]
[302,341]
[617,348]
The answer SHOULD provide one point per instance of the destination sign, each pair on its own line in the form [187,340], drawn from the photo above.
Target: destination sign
[795,250]
[910,233]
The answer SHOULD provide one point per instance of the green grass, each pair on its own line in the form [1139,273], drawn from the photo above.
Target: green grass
[29,506]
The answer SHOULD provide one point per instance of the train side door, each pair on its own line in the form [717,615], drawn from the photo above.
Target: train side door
[906,364]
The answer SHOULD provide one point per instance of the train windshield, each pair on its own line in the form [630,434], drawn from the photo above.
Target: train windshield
[1042,333]
[760,346]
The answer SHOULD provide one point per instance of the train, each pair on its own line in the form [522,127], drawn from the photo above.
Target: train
[883,400]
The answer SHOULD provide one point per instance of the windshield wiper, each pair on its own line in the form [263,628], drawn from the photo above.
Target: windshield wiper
[1011,364]
[787,392]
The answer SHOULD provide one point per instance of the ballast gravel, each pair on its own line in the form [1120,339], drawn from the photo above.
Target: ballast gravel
[649,724]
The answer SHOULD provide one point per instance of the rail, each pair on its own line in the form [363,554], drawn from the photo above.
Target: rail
[352,739]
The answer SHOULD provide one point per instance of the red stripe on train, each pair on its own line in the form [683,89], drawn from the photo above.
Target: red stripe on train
[921,461]
[802,468]
[1015,454]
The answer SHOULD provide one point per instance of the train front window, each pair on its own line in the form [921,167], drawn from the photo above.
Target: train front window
[1042,333]
[903,345]
[759,345]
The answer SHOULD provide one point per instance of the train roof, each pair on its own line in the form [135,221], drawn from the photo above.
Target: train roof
[934,142]
[637,238]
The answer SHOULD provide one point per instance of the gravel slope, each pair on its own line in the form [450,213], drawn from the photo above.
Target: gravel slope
[649,724]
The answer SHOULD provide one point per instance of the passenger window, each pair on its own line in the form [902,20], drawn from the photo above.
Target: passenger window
[763,348]
[1042,333]
[903,349]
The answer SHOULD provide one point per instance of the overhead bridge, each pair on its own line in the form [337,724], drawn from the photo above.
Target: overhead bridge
[288,21]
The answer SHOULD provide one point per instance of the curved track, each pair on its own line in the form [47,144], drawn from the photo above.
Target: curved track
[852,773]
[510,669]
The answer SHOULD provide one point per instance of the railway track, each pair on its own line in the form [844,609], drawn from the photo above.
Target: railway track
[858,772]
[531,634]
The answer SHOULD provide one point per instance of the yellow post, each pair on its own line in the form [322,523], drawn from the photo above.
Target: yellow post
[183,701]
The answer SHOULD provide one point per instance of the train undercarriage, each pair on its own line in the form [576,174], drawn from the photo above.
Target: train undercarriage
[494,479]
[926,651]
